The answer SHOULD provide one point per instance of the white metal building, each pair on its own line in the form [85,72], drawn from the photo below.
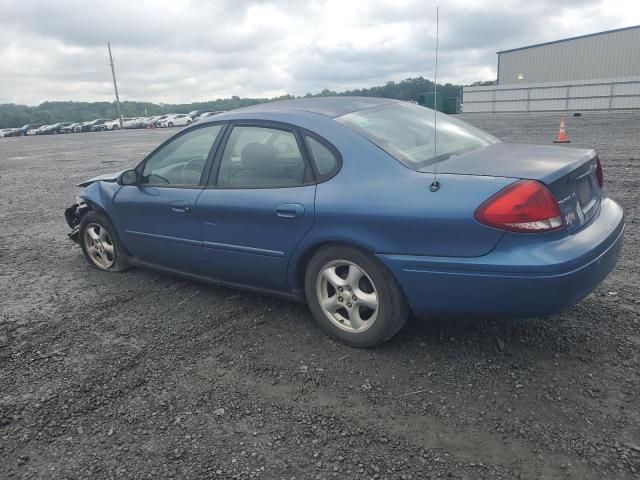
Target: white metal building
[600,71]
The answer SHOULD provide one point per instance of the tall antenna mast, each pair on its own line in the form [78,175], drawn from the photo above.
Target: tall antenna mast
[435,185]
[115,85]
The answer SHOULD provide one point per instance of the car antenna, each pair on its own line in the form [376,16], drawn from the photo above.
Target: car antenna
[435,185]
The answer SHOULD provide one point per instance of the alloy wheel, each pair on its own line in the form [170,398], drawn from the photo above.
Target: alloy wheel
[99,246]
[347,296]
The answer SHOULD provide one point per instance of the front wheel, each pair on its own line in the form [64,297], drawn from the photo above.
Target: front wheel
[100,245]
[170,124]
[353,297]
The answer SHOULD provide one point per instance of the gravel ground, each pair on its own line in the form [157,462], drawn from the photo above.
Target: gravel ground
[144,375]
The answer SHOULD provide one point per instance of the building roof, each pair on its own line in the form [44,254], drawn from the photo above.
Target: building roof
[569,39]
[327,106]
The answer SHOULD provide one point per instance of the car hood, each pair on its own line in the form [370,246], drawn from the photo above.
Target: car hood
[545,163]
[106,177]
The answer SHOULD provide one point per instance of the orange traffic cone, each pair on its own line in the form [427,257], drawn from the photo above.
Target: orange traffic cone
[562,136]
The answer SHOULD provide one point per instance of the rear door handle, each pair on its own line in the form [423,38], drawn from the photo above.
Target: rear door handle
[290,210]
[180,206]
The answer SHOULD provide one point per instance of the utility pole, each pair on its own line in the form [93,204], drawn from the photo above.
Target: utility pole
[115,85]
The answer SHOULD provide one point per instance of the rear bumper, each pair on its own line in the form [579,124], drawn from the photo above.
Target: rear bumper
[524,275]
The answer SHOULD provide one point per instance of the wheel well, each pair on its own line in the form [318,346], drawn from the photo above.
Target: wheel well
[301,268]
[75,213]
[98,209]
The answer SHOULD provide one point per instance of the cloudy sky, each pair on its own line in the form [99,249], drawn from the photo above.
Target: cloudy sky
[189,50]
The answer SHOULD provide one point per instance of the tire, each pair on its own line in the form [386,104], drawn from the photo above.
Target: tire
[115,127]
[109,250]
[170,124]
[365,282]
[189,122]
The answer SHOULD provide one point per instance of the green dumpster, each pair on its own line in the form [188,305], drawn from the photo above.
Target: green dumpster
[449,105]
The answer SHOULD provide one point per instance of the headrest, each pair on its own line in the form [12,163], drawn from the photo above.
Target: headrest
[257,155]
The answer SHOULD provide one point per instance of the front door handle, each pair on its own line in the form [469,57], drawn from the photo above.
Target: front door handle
[180,206]
[290,210]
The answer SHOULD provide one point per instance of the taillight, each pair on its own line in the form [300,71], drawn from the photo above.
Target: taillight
[524,206]
[599,173]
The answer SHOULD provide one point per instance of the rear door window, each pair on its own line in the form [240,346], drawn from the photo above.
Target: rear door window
[261,157]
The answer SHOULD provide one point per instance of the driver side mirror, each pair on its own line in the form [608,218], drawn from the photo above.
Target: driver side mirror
[129,177]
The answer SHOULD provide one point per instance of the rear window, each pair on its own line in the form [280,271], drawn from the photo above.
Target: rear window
[406,132]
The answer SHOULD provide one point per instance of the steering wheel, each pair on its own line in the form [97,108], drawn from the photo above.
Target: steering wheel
[153,178]
[191,165]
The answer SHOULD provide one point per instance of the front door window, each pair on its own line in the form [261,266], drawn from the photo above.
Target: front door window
[182,161]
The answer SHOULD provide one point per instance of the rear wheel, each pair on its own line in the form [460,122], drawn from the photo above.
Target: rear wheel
[353,297]
[100,245]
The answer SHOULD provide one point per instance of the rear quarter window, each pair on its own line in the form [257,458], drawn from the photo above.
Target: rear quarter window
[324,159]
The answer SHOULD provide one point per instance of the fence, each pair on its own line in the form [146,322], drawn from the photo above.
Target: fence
[609,94]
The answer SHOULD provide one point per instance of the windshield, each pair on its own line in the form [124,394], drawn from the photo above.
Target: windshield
[406,132]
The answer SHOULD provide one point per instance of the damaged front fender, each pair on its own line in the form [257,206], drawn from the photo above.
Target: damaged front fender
[73,215]
[98,196]
[107,177]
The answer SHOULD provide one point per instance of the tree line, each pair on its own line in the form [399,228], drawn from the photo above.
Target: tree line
[12,115]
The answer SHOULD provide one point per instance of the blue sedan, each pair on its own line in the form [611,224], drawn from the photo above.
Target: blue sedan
[367,209]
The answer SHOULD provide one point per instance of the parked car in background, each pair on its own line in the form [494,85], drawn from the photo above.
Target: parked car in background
[53,129]
[113,124]
[29,126]
[9,132]
[144,123]
[150,122]
[155,121]
[336,201]
[48,129]
[33,131]
[207,115]
[69,128]
[130,122]
[176,120]
[88,126]
[108,125]
[133,122]
[196,113]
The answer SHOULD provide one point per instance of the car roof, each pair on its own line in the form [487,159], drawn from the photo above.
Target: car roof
[328,106]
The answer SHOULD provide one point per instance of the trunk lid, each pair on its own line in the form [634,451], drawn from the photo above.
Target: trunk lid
[570,174]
